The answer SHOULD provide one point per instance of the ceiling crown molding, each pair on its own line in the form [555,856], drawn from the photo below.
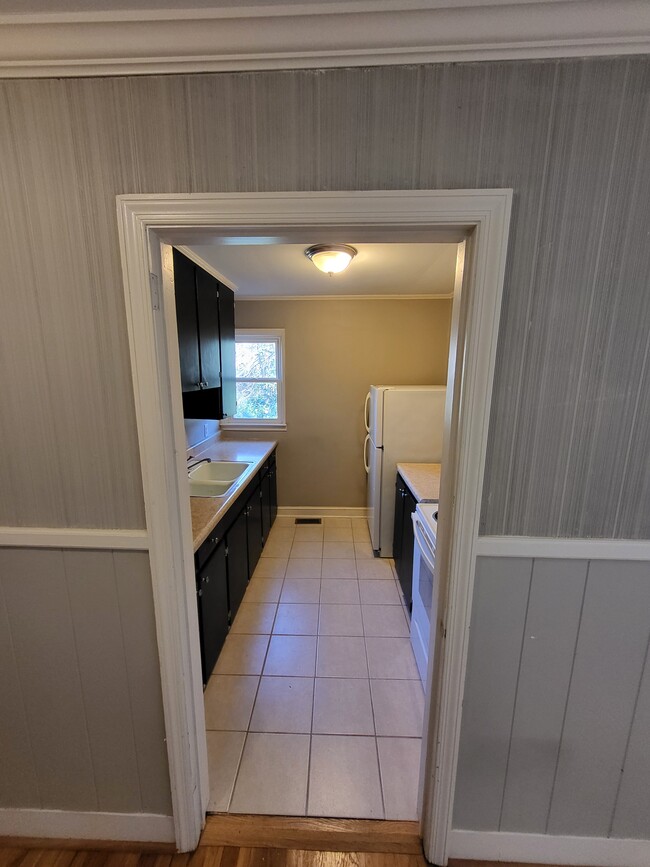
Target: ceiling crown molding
[313,35]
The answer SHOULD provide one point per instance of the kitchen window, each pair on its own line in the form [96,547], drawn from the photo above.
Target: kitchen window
[259,378]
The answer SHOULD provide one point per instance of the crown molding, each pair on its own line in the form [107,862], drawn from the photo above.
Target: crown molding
[318,35]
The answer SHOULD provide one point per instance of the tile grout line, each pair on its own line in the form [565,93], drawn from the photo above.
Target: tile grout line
[259,681]
[313,695]
[313,702]
[374,720]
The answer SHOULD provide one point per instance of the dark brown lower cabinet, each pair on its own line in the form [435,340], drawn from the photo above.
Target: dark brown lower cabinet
[237,560]
[403,538]
[269,496]
[226,561]
[274,491]
[212,602]
[265,496]
[254,515]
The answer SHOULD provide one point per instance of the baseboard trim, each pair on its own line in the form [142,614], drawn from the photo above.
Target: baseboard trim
[578,549]
[548,849]
[144,829]
[68,537]
[329,835]
[323,511]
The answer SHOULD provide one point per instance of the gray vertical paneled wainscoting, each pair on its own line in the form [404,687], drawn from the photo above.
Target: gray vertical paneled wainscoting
[81,724]
[556,712]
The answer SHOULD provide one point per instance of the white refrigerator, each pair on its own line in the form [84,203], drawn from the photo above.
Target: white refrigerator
[404,424]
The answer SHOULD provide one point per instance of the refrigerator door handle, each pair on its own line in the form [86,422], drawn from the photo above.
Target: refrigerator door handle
[366,463]
[366,415]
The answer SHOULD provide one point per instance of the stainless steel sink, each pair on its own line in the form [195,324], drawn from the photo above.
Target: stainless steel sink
[215,479]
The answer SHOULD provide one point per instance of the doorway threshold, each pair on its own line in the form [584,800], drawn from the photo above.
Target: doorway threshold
[332,835]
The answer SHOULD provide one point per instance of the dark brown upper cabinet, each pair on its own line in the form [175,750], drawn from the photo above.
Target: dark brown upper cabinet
[227,348]
[187,322]
[205,316]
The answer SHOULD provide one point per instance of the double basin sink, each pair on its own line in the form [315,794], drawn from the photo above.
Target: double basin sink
[216,478]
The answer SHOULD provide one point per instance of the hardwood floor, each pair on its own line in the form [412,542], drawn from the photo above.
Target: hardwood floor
[205,856]
[221,856]
[248,841]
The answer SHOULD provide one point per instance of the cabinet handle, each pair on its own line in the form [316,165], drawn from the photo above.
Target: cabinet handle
[207,579]
[200,593]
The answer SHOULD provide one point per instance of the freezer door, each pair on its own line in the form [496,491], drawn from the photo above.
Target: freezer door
[375,459]
[413,423]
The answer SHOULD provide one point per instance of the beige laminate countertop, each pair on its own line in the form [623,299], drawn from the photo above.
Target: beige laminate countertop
[208,511]
[423,480]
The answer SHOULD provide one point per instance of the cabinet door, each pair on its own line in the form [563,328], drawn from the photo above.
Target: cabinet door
[207,304]
[187,322]
[405,573]
[227,344]
[266,505]
[212,601]
[274,491]
[236,544]
[400,493]
[254,515]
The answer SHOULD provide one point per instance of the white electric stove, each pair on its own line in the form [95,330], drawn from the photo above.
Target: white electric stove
[423,614]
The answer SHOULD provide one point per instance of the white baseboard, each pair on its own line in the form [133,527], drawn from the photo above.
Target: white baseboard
[565,549]
[323,511]
[63,824]
[548,849]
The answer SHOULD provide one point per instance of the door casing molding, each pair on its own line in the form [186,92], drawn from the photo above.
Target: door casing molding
[148,224]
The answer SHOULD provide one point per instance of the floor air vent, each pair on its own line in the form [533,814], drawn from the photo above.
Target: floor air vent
[309,520]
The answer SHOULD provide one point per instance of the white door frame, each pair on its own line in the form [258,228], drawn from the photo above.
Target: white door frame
[147,224]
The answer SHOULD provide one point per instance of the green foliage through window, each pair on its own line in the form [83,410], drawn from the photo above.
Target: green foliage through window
[256,363]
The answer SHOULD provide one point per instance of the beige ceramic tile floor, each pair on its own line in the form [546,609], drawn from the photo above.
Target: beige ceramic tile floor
[315,706]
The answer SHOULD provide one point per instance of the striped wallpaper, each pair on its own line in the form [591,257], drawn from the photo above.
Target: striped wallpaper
[570,430]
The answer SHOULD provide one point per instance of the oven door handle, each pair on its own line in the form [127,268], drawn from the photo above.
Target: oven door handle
[427,553]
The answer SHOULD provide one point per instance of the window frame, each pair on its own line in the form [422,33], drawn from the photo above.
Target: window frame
[263,335]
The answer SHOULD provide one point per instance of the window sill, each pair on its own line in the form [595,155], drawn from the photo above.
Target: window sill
[256,426]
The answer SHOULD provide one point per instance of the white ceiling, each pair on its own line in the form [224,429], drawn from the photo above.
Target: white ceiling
[283,270]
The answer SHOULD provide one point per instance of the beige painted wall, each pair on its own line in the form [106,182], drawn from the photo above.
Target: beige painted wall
[334,351]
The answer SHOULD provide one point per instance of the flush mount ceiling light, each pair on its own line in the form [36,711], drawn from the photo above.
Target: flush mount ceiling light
[331,258]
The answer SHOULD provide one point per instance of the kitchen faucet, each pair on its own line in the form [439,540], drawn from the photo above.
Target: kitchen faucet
[196,463]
